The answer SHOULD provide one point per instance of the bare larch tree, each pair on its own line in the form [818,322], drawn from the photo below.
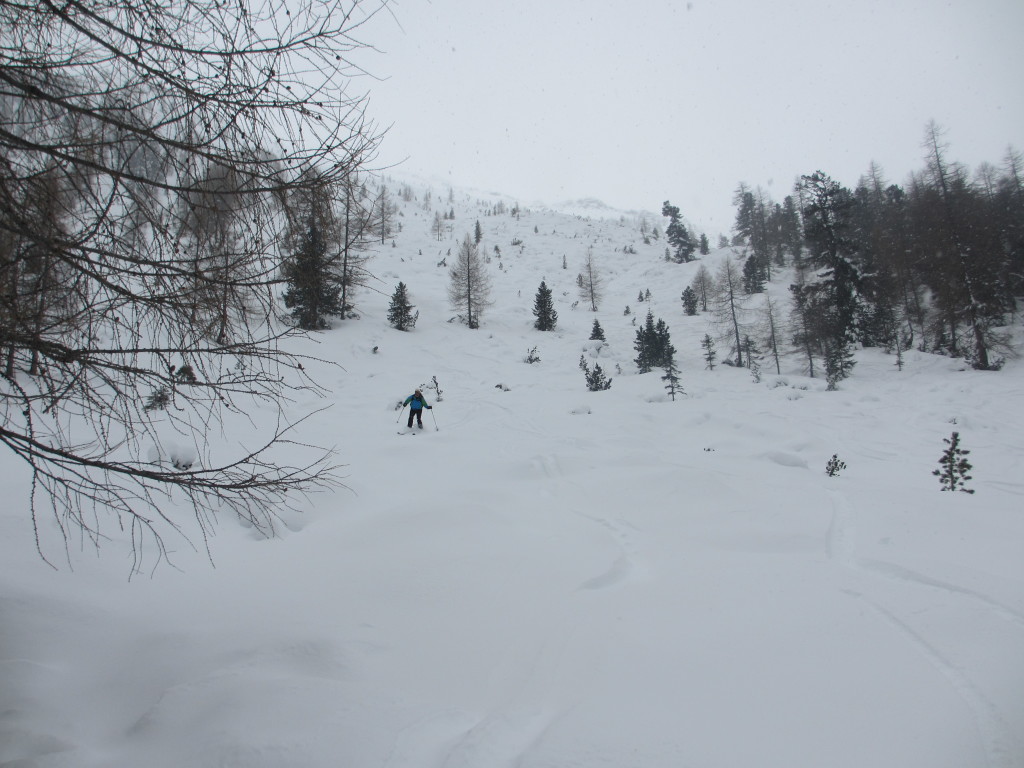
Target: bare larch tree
[469,287]
[147,151]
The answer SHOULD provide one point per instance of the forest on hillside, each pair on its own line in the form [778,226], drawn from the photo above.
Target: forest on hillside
[936,264]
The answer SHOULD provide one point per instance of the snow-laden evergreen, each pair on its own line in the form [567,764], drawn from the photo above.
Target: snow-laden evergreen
[551,576]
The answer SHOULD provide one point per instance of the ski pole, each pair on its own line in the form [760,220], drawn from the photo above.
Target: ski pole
[436,428]
[400,414]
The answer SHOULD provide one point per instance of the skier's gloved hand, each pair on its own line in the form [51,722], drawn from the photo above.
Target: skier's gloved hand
[430,407]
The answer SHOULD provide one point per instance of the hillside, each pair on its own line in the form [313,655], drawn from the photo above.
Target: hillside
[547,576]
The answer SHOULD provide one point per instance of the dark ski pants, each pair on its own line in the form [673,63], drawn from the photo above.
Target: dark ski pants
[418,415]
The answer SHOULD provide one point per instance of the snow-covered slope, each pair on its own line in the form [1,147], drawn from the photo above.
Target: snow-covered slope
[552,577]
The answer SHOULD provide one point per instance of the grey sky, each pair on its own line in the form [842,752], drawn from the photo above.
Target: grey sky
[641,101]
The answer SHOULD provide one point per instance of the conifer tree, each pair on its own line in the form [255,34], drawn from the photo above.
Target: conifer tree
[653,345]
[677,235]
[544,309]
[708,344]
[313,291]
[689,301]
[705,246]
[597,333]
[400,313]
[596,379]
[790,230]
[839,361]
[753,275]
[832,249]
[834,466]
[954,466]
[644,345]
[671,377]
[663,348]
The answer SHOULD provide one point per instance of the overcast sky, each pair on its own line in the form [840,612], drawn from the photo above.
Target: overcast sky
[637,102]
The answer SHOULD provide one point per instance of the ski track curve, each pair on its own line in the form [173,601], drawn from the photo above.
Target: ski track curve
[629,560]
[427,741]
[500,740]
[1002,750]
[899,573]
[841,548]
[628,564]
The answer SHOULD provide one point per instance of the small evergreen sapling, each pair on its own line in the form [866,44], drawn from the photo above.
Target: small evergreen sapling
[835,466]
[709,351]
[671,379]
[954,466]
[597,332]
[596,379]
[532,356]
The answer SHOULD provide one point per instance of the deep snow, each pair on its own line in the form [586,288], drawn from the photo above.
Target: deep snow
[550,577]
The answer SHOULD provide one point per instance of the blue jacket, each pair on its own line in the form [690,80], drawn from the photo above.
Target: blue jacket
[416,402]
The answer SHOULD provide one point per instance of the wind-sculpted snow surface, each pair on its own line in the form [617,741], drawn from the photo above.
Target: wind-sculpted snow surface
[548,577]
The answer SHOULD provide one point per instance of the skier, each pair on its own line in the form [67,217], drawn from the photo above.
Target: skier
[416,403]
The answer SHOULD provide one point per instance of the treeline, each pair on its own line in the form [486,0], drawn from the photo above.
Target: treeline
[935,264]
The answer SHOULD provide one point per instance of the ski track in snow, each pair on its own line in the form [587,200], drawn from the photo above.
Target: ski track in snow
[509,730]
[624,566]
[627,563]
[906,575]
[841,547]
[1002,750]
